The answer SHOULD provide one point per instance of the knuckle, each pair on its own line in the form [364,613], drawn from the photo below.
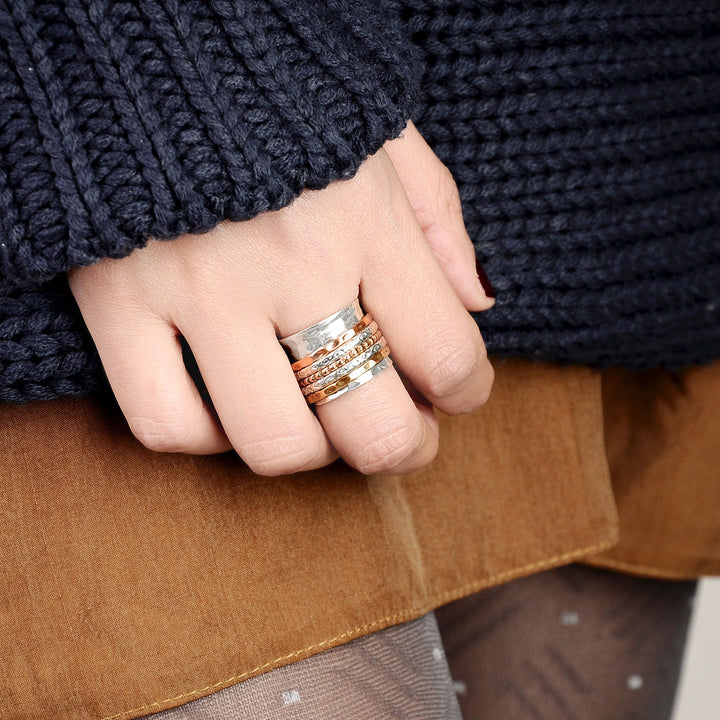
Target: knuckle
[387,451]
[457,363]
[167,433]
[473,400]
[280,455]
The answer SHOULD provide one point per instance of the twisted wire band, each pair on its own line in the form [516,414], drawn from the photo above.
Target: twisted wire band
[344,381]
[324,371]
[345,369]
[335,343]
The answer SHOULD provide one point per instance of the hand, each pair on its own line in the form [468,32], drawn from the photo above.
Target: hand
[393,233]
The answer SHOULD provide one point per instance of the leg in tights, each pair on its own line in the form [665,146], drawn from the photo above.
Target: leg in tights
[569,644]
[396,674]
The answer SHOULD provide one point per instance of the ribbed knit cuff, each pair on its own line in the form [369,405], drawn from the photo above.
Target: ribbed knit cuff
[122,121]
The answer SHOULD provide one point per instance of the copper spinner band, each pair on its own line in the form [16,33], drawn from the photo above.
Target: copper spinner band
[345,380]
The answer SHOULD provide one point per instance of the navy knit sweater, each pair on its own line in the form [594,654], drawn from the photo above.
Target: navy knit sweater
[584,136]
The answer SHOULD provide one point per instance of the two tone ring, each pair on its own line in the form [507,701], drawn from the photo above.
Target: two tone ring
[337,354]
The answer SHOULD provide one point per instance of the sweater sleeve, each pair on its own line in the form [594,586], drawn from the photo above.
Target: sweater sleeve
[121,120]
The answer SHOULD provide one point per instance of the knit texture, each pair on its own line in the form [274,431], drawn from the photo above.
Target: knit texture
[584,136]
[585,139]
[126,120]
[122,121]
[45,351]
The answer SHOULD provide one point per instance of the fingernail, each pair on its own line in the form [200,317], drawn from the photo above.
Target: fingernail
[484,281]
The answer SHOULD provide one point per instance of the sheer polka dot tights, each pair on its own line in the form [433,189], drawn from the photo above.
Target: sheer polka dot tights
[569,644]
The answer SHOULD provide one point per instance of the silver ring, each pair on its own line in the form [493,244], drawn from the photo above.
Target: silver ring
[328,340]
[349,366]
[366,377]
[342,350]
[306,342]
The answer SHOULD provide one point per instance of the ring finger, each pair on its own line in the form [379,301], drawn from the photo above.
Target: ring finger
[376,427]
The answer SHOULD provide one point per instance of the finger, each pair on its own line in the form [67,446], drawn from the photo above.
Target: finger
[433,339]
[378,429]
[421,403]
[434,197]
[256,396]
[160,401]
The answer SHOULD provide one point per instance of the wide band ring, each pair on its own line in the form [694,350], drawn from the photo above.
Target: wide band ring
[337,354]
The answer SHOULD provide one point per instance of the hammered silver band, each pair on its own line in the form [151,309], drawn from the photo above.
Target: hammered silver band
[337,354]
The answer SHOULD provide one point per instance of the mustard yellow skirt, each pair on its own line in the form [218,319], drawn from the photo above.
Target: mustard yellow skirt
[131,581]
